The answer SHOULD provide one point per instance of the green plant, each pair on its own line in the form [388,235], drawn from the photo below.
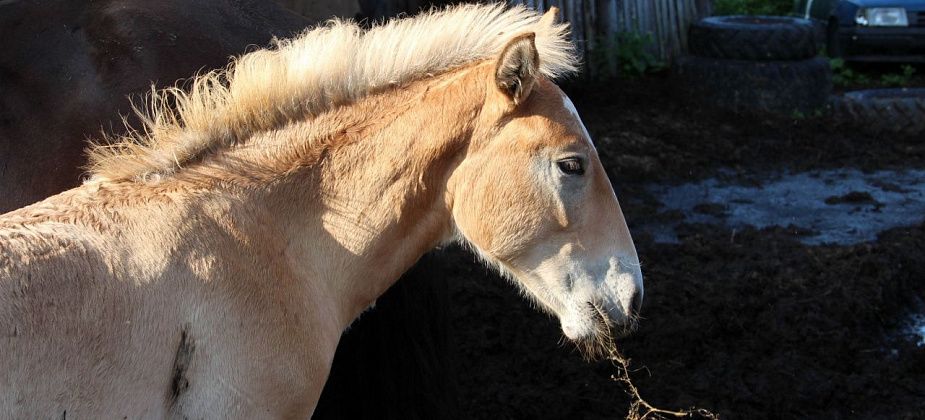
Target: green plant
[800,115]
[842,75]
[753,7]
[633,54]
[627,52]
[902,79]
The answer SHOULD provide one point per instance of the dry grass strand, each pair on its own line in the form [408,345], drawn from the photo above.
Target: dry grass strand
[640,409]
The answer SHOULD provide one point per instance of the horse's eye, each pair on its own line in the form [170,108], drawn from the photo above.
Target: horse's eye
[571,166]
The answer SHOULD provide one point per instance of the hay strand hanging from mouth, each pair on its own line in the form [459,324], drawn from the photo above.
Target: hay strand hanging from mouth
[640,409]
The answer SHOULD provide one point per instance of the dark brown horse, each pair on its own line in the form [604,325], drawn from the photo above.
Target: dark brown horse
[67,71]
[68,67]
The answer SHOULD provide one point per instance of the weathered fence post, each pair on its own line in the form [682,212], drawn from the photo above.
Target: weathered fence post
[704,7]
[608,26]
[596,24]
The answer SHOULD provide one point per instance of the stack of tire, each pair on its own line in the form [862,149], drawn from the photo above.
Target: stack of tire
[755,64]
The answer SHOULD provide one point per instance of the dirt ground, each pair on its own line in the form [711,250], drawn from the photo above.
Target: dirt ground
[749,324]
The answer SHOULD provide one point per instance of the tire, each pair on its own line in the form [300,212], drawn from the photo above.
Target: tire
[779,87]
[758,38]
[884,111]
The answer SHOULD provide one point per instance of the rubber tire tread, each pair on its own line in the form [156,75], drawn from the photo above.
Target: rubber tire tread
[727,37]
[778,87]
[878,112]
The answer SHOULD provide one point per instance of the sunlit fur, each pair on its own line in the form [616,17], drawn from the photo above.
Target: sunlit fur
[324,67]
[210,266]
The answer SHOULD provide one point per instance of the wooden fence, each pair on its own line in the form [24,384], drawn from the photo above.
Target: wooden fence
[593,21]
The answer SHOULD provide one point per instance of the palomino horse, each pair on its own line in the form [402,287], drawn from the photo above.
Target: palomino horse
[101,52]
[210,265]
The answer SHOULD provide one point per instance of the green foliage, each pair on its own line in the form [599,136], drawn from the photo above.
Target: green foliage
[842,75]
[898,80]
[628,51]
[800,115]
[633,54]
[753,7]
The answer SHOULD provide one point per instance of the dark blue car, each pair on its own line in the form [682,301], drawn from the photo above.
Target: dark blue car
[870,30]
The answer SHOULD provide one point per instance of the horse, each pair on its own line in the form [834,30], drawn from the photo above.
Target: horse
[103,53]
[210,264]
[100,52]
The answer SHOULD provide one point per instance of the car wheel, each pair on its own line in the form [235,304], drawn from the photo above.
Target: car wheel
[766,38]
[884,111]
[781,87]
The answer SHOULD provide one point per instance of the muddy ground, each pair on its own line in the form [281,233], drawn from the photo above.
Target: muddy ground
[748,323]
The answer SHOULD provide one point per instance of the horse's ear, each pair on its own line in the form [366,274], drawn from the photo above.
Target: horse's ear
[517,68]
[549,17]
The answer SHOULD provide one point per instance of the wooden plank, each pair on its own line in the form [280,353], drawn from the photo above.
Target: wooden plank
[704,8]
[577,11]
[622,11]
[684,18]
[651,25]
[589,8]
[607,21]
[642,16]
[664,29]
[627,19]
[568,9]
[674,29]
[681,28]
[591,21]
[589,18]
[650,29]
[631,18]
[564,8]
[670,29]
[690,15]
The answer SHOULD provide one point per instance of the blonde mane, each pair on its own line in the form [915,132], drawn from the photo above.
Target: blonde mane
[323,68]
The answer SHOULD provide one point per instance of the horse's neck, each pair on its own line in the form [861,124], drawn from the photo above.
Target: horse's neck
[377,197]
